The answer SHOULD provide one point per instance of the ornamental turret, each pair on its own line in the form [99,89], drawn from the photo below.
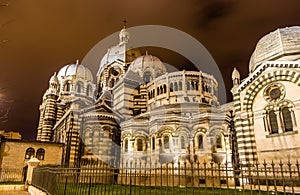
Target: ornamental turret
[235,77]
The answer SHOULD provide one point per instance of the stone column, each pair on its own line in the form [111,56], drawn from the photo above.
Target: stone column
[32,163]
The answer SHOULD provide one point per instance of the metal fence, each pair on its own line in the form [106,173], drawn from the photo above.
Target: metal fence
[12,175]
[172,178]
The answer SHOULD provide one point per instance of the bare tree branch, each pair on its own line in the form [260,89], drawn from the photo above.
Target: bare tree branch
[6,23]
[2,4]
[4,106]
[3,42]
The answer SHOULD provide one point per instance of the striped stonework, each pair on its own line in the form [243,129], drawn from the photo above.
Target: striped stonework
[47,118]
[244,95]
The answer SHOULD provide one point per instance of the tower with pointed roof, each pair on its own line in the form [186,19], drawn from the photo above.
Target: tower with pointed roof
[71,90]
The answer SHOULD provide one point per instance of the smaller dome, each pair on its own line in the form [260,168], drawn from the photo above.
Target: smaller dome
[281,44]
[148,66]
[235,74]
[54,79]
[75,70]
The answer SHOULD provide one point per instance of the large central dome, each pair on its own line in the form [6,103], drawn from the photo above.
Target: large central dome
[281,44]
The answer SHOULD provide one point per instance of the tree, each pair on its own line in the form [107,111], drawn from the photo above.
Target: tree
[4,102]
[3,4]
[4,107]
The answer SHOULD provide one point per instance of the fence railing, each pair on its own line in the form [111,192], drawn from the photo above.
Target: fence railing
[12,175]
[172,178]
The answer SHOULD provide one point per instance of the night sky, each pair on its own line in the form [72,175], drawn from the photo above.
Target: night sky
[37,38]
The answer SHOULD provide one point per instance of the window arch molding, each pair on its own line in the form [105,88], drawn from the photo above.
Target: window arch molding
[140,144]
[166,141]
[126,144]
[88,90]
[79,86]
[217,138]
[40,154]
[199,140]
[153,142]
[279,117]
[67,86]
[29,153]
[183,141]
[286,117]
[183,135]
[199,131]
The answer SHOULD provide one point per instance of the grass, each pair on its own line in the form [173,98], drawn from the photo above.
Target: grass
[12,183]
[145,190]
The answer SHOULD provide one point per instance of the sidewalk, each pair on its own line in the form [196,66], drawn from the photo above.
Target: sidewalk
[14,193]
[13,190]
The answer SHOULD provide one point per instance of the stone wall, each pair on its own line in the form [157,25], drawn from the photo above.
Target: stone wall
[12,153]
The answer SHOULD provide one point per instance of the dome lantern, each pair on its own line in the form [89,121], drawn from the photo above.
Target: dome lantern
[124,35]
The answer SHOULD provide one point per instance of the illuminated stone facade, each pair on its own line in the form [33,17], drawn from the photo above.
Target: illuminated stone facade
[266,103]
[140,112]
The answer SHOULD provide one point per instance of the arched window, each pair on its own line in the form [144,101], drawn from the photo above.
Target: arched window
[29,153]
[193,85]
[126,145]
[153,143]
[147,77]
[200,141]
[171,87]
[67,86]
[139,145]
[165,88]
[180,85]
[166,142]
[182,142]
[40,154]
[196,86]
[79,87]
[175,87]
[273,122]
[188,85]
[219,141]
[203,87]
[88,90]
[287,119]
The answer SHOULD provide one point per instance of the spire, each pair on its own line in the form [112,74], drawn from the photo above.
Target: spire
[76,70]
[124,24]
[53,79]
[53,84]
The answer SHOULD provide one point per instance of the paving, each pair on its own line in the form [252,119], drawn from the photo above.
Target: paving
[14,192]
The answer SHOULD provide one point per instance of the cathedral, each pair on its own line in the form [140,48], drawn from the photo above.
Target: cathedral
[138,111]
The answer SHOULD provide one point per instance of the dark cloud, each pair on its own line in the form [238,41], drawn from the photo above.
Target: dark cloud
[209,12]
[217,9]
